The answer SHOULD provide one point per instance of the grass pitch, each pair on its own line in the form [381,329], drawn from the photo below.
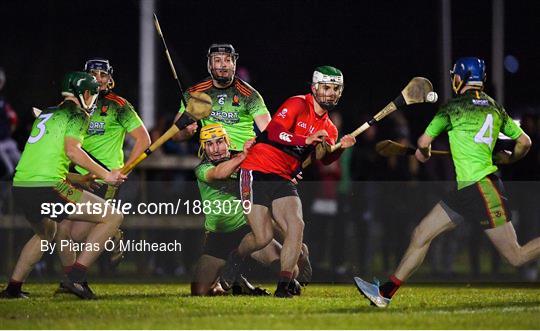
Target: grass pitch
[166,306]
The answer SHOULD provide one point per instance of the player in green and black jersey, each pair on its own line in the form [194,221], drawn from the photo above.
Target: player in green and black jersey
[473,121]
[235,104]
[109,122]
[225,221]
[41,181]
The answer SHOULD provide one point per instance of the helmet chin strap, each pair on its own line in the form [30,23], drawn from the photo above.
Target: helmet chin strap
[88,108]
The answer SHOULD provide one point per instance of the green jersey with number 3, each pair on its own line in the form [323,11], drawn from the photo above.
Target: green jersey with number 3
[473,121]
[223,211]
[104,139]
[234,107]
[44,161]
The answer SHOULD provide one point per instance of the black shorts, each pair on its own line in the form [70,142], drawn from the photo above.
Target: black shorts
[36,203]
[484,201]
[261,189]
[220,244]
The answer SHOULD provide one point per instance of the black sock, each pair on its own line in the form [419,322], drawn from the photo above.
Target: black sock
[77,273]
[14,287]
[389,288]
[284,279]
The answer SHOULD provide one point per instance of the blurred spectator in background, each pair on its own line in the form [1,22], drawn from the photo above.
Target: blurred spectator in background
[9,153]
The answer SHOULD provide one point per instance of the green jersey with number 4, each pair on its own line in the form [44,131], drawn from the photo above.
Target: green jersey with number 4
[473,121]
[104,139]
[234,107]
[44,161]
[223,211]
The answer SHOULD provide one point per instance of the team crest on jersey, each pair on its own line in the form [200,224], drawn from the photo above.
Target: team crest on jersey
[96,128]
[480,102]
[236,101]
[103,110]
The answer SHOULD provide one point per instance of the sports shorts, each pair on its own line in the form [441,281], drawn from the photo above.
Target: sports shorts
[484,201]
[261,189]
[105,191]
[220,244]
[32,201]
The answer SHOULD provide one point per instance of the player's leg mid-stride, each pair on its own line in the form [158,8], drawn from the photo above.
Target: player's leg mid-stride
[480,195]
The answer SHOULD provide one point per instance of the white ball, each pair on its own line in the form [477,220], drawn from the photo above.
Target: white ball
[432,97]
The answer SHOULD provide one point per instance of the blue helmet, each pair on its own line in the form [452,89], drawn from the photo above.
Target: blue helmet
[98,64]
[471,70]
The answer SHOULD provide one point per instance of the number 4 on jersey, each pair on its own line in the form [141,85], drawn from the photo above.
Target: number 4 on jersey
[480,137]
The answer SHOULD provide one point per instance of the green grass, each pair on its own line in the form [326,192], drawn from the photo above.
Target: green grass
[168,306]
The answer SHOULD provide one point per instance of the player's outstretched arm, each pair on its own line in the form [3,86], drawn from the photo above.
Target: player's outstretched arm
[225,169]
[522,147]
[75,153]
[142,142]
[423,152]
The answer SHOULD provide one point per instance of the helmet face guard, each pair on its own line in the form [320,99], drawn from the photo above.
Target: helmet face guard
[221,49]
[327,86]
[76,83]
[100,65]
[212,132]
[471,71]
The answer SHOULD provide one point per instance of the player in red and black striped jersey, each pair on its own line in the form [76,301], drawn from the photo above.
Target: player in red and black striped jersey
[267,173]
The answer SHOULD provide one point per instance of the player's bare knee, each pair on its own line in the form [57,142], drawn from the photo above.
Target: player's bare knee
[263,239]
[49,231]
[419,238]
[515,258]
[115,218]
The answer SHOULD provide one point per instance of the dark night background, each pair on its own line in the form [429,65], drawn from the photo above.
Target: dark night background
[378,45]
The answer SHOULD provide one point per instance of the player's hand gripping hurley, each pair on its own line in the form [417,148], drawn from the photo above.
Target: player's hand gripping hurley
[416,91]
[198,107]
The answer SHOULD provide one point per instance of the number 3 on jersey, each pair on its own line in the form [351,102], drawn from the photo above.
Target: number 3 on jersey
[481,137]
[41,127]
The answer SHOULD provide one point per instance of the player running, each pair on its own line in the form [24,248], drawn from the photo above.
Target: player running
[225,223]
[112,118]
[473,121]
[40,180]
[265,178]
[236,105]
